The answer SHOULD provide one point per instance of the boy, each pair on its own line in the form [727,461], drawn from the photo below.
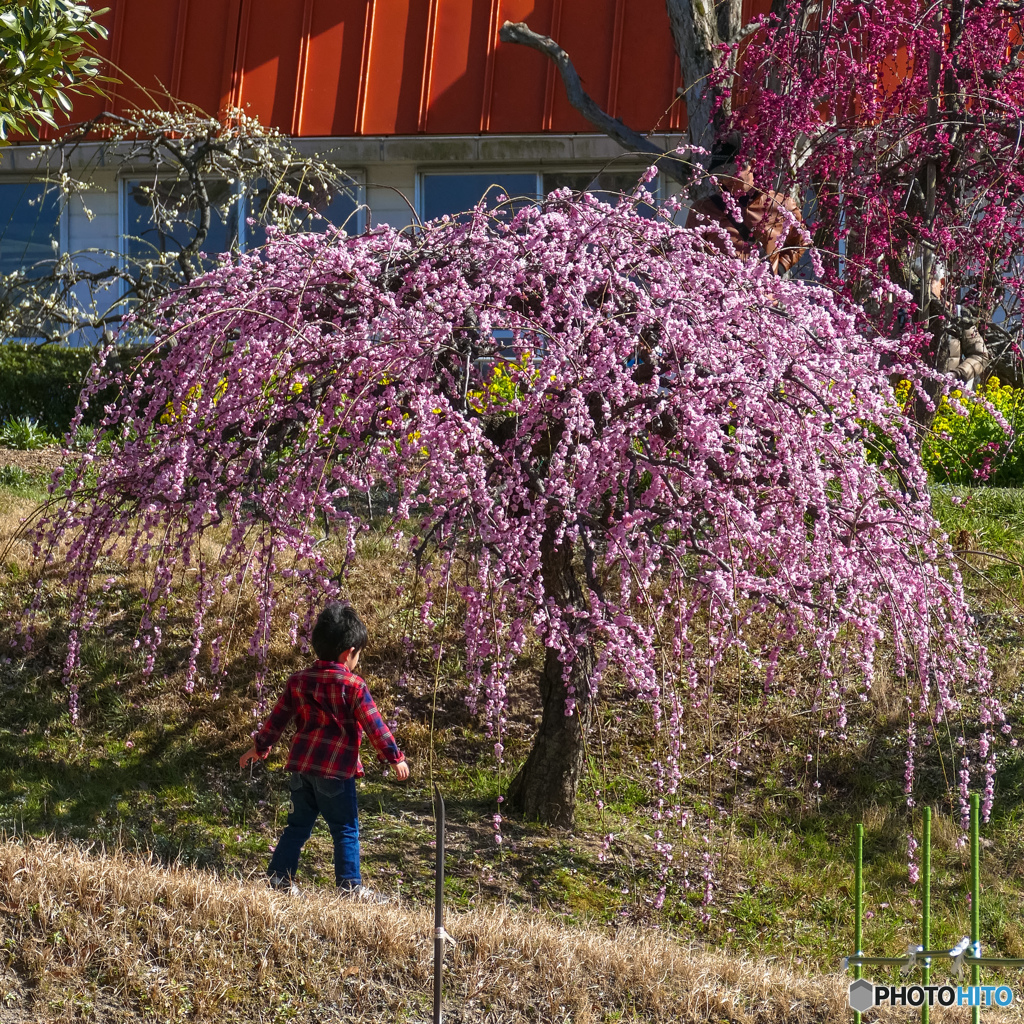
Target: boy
[332,707]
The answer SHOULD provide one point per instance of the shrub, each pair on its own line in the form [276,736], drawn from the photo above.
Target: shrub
[25,434]
[14,476]
[42,383]
[967,444]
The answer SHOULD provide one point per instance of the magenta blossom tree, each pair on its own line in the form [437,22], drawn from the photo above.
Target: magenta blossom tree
[904,121]
[895,125]
[650,454]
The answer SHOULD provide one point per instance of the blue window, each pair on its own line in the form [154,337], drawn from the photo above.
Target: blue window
[453,194]
[161,217]
[29,227]
[337,202]
[609,186]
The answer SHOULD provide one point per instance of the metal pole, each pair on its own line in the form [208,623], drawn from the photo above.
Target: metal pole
[975,898]
[438,902]
[926,902]
[858,901]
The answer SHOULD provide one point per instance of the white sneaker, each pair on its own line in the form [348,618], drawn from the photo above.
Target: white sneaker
[284,884]
[363,893]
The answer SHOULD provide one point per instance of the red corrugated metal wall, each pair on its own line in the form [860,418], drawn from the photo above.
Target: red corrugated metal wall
[385,67]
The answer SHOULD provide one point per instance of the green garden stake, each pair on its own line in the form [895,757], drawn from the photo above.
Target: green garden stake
[975,898]
[926,902]
[858,901]
[922,955]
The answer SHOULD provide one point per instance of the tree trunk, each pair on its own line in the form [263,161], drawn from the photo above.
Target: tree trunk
[545,787]
[699,28]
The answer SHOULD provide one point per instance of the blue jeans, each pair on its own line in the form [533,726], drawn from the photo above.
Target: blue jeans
[335,799]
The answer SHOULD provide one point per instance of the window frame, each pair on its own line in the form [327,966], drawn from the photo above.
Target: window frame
[425,172]
[362,213]
[660,184]
[63,229]
[242,209]
[124,181]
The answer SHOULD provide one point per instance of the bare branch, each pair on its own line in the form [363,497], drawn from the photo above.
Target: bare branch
[521,33]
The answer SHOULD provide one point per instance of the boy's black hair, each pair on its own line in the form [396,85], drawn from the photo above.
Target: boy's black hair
[338,629]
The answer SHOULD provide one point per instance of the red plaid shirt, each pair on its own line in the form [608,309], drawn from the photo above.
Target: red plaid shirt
[332,707]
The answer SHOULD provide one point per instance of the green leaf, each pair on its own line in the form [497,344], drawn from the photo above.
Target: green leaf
[44,59]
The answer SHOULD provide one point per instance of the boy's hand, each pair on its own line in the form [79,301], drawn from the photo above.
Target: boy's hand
[252,754]
[402,770]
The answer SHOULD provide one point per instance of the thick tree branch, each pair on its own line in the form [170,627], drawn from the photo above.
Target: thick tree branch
[699,28]
[521,33]
[1011,68]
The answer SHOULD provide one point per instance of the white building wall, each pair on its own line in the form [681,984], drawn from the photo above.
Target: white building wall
[391,194]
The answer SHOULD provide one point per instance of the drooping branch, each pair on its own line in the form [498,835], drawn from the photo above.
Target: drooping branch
[521,33]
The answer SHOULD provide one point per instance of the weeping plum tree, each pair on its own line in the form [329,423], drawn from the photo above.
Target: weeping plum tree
[652,455]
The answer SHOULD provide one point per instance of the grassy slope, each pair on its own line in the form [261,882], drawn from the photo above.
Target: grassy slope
[182,944]
[151,769]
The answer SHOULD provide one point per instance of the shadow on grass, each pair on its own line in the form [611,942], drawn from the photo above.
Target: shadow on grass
[153,769]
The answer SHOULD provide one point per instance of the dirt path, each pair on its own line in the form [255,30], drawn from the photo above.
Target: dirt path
[42,461]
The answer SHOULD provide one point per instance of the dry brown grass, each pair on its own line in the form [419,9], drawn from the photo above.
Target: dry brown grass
[110,937]
[13,512]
